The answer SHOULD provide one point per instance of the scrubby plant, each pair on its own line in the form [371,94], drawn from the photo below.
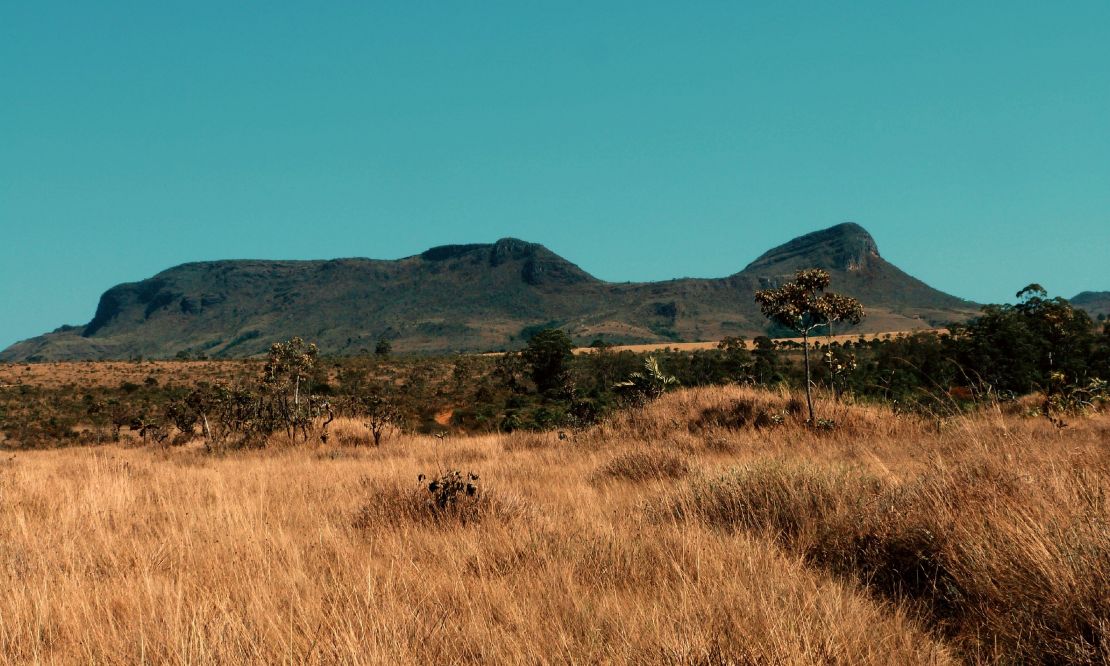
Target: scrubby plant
[739,366]
[646,385]
[451,488]
[744,413]
[449,497]
[1072,399]
[288,366]
[379,412]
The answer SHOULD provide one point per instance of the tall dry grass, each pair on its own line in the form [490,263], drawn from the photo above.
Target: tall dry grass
[669,535]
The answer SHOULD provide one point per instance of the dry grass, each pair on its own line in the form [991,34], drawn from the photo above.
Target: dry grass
[113,373]
[644,465]
[712,344]
[643,541]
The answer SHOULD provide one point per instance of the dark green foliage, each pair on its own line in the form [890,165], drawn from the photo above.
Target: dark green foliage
[646,384]
[451,489]
[530,331]
[548,356]
[383,347]
[378,409]
[1016,348]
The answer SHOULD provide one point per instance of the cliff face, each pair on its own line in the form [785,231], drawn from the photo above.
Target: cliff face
[845,247]
[466,298]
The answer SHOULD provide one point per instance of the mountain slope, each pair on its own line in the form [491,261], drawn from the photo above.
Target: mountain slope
[1094,302]
[466,298]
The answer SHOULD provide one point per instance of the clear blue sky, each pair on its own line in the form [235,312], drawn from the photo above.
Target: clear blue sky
[642,140]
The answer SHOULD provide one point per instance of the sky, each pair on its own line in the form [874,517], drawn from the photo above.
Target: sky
[641,140]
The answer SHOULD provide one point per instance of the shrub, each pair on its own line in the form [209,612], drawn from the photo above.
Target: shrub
[737,415]
[451,498]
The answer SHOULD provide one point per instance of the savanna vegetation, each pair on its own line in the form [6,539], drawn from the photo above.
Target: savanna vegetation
[710,526]
[927,498]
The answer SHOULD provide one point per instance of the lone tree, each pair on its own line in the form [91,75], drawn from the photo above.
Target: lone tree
[803,306]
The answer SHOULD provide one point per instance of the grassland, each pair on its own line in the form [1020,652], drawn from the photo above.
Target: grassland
[711,527]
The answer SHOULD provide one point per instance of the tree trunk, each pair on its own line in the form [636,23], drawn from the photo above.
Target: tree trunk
[832,367]
[809,396]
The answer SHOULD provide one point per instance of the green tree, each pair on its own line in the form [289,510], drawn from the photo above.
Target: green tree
[765,366]
[802,305]
[288,366]
[548,356]
[738,364]
[1016,348]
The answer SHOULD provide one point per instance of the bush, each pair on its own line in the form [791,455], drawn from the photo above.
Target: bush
[451,498]
[746,413]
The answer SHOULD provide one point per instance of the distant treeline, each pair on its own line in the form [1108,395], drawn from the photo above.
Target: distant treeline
[1039,345]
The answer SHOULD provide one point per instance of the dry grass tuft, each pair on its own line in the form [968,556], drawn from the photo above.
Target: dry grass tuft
[530,441]
[350,432]
[1005,563]
[644,465]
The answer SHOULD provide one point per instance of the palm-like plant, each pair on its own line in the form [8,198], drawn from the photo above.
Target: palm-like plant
[649,384]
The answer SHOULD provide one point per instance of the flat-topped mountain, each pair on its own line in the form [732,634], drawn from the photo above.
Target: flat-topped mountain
[467,298]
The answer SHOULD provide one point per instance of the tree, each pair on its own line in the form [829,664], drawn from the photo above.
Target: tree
[383,348]
[510,370]
[765,367]
[548,356]
[380,411]
[290,364]
[1017,348]
[802,305]
[738,363]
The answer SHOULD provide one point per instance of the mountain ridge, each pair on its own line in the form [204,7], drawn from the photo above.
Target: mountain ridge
[467,297]
[1094,302]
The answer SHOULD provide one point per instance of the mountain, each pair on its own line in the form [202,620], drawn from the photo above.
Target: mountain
[1094,302]
[467,298]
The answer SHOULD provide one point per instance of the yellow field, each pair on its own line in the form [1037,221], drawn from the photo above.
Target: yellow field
[712,344]
[113,373]
[614,545]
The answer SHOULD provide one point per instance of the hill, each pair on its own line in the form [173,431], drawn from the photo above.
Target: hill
[1094,302]
[467,298]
